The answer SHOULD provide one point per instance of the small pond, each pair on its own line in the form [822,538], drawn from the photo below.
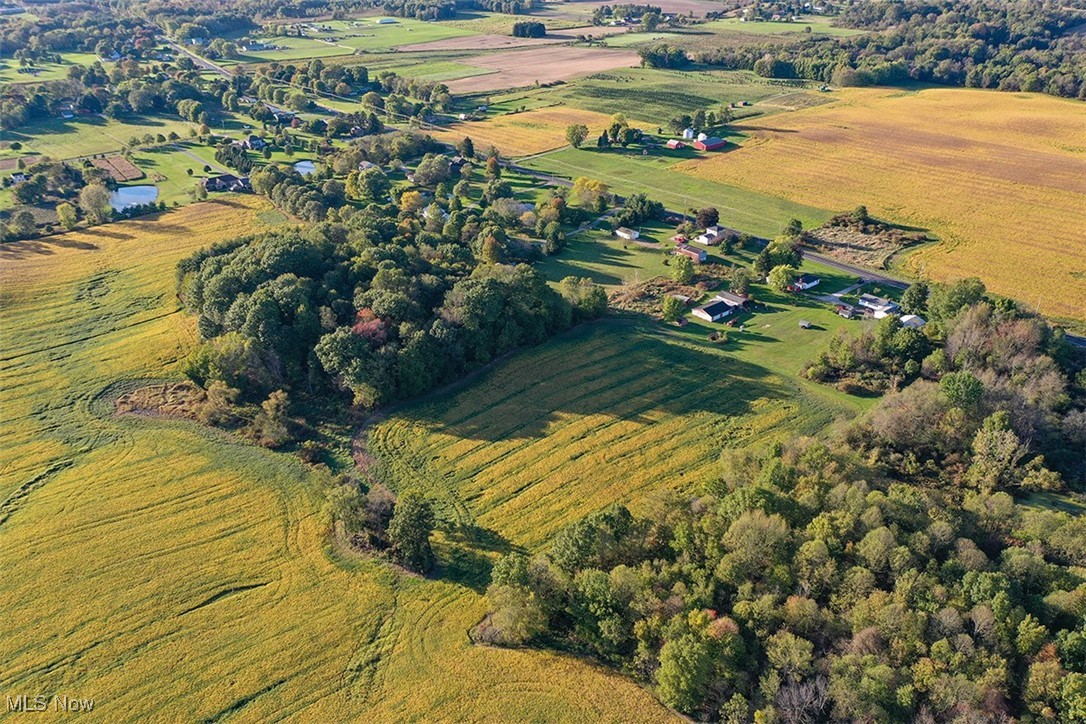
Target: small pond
[127,196]
[305,167]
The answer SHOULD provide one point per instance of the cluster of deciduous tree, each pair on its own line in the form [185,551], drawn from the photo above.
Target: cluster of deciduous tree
[318,76]
[664,56]
[809,583]
[529,29]
[398,294]
[1012,46]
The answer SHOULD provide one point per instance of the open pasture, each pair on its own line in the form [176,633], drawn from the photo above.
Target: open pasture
[1000,178]
[89,135]
[517,68]
[811,24]
[627,172]
[662,94]
[171,572]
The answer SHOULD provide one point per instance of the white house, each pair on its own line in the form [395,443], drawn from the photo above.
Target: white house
[711,236]
[913,320]
[879,307]
[625,233]
[702,136]
[805,282]
[688,134]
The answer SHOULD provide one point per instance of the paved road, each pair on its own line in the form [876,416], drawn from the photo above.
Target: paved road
[200,61]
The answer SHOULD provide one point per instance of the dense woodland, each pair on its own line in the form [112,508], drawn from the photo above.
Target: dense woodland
[1013,46]
[888,574]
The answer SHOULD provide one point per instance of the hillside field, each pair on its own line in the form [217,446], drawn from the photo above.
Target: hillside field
[1000,178]
[610,412]
[170,572]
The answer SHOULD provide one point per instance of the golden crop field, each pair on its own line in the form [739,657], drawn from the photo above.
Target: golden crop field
[171,573]
[1000,178]
[527,133]
[609,412]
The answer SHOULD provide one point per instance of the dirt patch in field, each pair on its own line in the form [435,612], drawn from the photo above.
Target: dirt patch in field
[120,168]
[171,399]
[496,42]
[547,64]
[867,243]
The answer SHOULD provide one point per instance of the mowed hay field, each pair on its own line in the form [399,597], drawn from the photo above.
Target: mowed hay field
[611,412]
[526,133]
[1000,178]
[170,573]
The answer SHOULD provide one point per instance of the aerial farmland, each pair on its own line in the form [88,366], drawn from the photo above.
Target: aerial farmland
[543,361]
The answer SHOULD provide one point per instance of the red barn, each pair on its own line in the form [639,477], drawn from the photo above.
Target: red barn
[710,144]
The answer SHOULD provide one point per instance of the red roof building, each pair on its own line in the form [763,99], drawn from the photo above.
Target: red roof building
[710,144]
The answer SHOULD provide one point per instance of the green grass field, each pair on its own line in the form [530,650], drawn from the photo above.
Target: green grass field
[9,69]
[628,172]
[663,94]
[817,25]
[171,572]
[88,135]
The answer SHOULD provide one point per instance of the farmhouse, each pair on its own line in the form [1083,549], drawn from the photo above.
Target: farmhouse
[713,311]
[255,143]
[626,233]
[711,236]
[878,306]
[698,255]
[366,165]
[710,144]
[227,182]
[675,144]
[803,283]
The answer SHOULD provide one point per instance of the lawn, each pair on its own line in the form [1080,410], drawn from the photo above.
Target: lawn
[813,25]
[89,135]
[170,572]
[9,69]
[367,35]
[997,177]
[628,172]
